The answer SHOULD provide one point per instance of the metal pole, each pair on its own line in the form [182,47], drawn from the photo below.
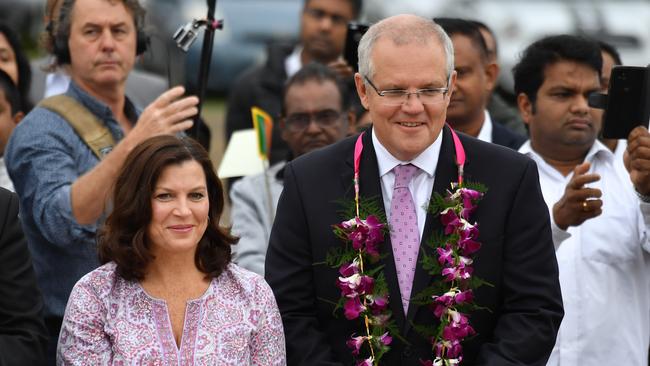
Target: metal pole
[206,56]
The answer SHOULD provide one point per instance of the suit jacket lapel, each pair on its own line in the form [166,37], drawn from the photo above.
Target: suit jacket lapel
[445,173]
[370,187]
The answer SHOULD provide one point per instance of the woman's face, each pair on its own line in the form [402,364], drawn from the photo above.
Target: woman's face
[8,59]
[179,209]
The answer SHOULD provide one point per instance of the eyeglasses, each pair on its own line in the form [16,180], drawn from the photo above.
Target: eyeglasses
[300,121]
[396,97]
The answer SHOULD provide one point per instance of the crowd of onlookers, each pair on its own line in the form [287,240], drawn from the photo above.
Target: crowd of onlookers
[111,249]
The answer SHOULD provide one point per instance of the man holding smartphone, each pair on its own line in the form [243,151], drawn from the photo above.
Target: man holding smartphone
[600,221]
[322,38]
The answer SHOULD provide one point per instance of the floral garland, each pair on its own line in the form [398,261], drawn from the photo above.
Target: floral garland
[364,292]
[451,296]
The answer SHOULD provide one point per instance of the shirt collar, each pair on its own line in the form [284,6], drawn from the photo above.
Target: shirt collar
[426,161]
[293,62]
[97,107]
[597,151]
[485,134]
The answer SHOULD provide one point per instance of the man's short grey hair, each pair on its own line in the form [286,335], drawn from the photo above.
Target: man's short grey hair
[417,30]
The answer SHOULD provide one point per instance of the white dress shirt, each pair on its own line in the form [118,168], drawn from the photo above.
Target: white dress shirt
[293,62]
[485,134]
[604,269]
[420,186]
[5,181]
[56,83]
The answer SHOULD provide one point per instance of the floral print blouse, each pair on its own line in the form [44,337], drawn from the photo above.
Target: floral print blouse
[111,321]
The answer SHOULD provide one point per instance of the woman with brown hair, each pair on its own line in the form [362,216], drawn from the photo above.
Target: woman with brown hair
[167,293]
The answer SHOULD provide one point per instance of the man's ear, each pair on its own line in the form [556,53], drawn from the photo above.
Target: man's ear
[283,130]
[352,123]
[525,107]
[361,90]
[491,75]
[451,86]
[18,117]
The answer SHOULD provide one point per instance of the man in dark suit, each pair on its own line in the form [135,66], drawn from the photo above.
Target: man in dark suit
[411,55]
[476,78]
[22,332]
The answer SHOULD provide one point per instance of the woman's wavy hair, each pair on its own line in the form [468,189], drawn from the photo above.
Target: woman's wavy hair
[123,238]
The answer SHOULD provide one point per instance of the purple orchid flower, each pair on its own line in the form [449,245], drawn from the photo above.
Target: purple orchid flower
[455,350]
[367,362]
[372,248]
[353,308]
[445,255]
[450,220]
[460,272]
[464,297]
[366,285]
[378,304]
[458,329]
[348,285]
[355,343]
[375,227]
[358,237]
[349,269]
[385,339]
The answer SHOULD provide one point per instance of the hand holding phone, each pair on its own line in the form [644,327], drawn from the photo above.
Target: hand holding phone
[352,38]
[627,103]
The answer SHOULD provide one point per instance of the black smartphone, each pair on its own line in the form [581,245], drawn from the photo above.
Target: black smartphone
[352,38]
[628,101]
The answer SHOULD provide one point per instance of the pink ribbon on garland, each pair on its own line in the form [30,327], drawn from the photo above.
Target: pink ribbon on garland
[358,148]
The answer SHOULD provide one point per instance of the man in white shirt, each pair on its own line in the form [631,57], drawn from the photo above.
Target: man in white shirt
[323,26]
[315,113]
[477,75]
[599,224]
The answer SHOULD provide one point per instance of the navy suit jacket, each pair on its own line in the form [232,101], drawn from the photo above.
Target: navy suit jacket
[504,136]
[517,258]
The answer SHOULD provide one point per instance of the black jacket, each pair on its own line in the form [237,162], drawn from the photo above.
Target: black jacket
[504,136]
[517,258]
[261,86]
[22,332]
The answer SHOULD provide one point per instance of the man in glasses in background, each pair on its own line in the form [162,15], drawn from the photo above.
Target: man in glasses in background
[406,77]
[316,112]
[323,26]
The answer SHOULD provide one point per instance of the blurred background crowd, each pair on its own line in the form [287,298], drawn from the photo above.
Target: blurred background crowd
[285,57]
[251,25]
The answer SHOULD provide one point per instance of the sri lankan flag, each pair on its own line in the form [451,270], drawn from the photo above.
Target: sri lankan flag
[263,124]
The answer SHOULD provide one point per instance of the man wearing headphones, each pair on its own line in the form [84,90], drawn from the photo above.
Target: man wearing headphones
[142,87]
[62,179]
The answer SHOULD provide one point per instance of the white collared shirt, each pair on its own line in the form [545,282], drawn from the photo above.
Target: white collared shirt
[420,186]
[485,134]
[5,181]
[56,83]
[293,62]
[604,269]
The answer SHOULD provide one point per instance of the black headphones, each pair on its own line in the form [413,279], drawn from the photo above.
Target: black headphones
[62,52]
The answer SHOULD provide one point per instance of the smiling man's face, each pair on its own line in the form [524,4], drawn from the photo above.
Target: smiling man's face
[406,130]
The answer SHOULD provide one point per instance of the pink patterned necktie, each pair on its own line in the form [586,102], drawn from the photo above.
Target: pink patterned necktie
[404,232]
